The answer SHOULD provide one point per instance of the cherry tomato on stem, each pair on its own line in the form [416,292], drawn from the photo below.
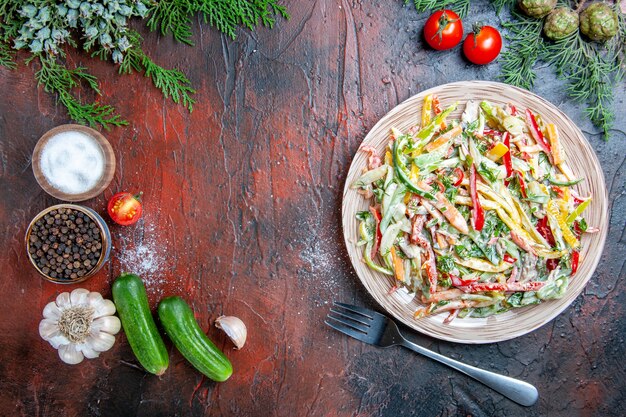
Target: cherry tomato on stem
[125,208]
[443,30]
[483,45]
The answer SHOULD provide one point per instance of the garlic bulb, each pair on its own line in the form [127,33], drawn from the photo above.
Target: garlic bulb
[80,325]
[234,328]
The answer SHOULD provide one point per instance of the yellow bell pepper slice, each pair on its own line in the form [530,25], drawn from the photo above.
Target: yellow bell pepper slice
[388,159]
[568,236]
[485,266]
[415,173]
[492,195]
[497,151]
[427,109]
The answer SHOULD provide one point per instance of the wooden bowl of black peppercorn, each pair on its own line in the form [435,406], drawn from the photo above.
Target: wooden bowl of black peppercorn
[68,243]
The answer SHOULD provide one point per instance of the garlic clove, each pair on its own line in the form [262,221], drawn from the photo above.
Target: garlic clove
[48,329]
[94,298]
[234,328]
[88,351]
[79,296]
[63,300]
[52,311]
[70,355]
[107,324]
[103,308]
[101,341]
[58,340]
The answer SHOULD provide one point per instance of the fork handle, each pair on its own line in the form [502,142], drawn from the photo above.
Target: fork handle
[519,391]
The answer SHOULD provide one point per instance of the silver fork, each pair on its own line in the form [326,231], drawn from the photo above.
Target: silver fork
[376,329]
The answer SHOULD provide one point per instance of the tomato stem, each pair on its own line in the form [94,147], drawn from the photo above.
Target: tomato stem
[476,28]
[138,196]
[443,22]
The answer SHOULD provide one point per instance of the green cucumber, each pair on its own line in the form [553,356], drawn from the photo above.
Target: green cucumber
[182,328]
[131,301]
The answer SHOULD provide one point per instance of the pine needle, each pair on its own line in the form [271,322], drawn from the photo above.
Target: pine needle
[7,56]
[591,69]
[591,72]
[175,16]
[60,80]
[501,4]
[167,16]
[461,7]
[172,82]
[524,48]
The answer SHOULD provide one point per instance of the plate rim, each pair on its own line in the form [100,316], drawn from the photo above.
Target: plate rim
[552,314]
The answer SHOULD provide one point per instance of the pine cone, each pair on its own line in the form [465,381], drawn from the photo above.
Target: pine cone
[560,23]
[537,8]
[598,22]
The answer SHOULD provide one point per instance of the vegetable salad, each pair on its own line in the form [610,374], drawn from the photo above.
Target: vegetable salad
[474,216]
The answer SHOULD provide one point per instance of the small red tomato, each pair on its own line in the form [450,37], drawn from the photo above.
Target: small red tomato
[125,208]
[443,30]
[483,45]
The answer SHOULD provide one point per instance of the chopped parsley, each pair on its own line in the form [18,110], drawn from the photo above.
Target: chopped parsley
[445,263]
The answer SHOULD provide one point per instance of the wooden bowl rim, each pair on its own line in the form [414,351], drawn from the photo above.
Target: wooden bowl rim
[103,182]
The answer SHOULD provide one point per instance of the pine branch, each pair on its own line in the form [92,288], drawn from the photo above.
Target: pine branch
[175,16]
[9,22]
[56,78]
[618,44]
[172,16]
[524,48]
[591,71]
[461,7]
[172,82]
[501,4]
[7,56]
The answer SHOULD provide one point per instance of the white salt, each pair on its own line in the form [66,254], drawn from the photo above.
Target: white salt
[72,162]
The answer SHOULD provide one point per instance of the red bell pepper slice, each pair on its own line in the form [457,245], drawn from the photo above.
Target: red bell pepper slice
[458,172]
[379,234]
[544,230]
[538,136]
[575,261]
[509,259]
[491,132]
[522,184]
[558,191]
[577,230]
[513,110]
[460,282]
[478,214]
[551,264]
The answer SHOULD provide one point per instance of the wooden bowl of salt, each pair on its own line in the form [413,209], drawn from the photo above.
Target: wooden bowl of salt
[73,162]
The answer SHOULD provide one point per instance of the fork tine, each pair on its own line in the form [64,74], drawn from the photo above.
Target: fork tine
[362,311]
[347,330]
[352,316]
[350,323]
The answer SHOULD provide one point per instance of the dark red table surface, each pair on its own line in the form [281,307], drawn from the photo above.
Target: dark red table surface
[242,217]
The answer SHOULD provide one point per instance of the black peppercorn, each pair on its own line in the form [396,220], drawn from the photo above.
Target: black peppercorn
[65,244]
